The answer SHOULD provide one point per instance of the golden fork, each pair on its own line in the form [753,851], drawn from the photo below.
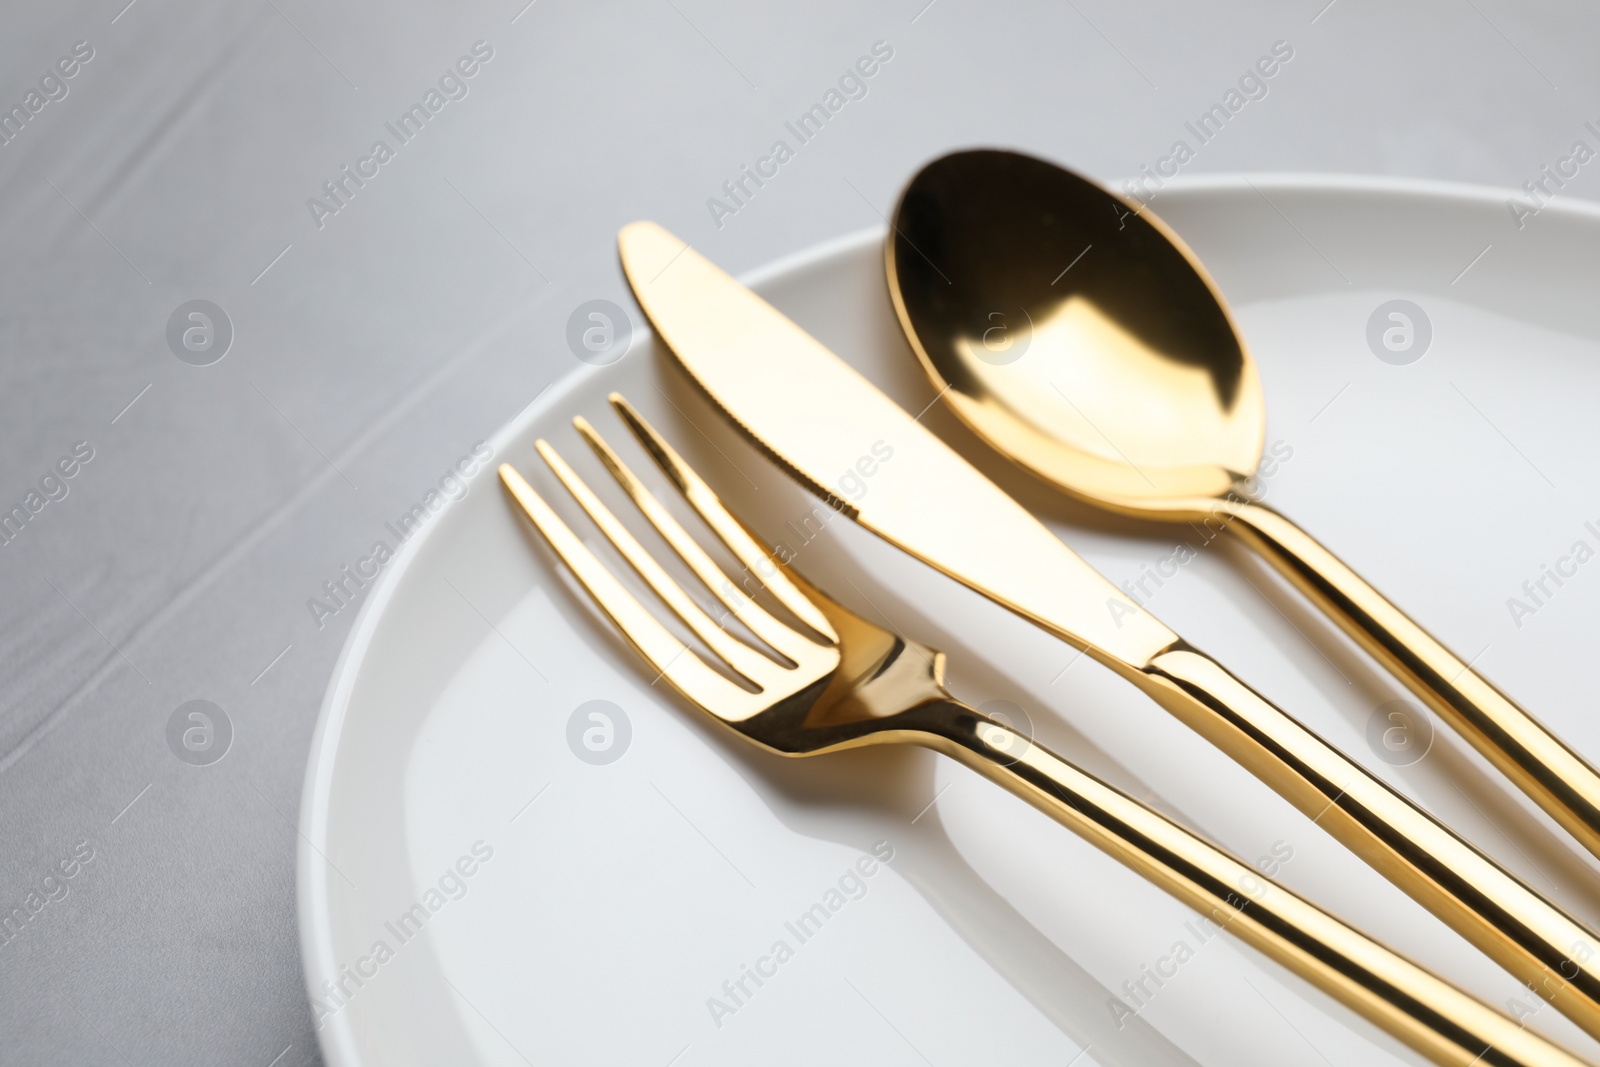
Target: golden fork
[851,683]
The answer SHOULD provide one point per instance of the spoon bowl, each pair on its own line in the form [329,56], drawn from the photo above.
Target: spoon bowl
[1076,333]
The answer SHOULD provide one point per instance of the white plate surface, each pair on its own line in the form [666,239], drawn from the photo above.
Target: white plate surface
[611,908]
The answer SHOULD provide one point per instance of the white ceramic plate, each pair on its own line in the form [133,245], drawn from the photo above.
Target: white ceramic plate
[566,911]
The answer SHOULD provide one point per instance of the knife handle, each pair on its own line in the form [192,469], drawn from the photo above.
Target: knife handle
[1424,1011]
[1544,947]
[1538,762]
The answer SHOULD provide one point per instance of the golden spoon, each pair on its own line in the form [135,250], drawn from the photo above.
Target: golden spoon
[1080,337]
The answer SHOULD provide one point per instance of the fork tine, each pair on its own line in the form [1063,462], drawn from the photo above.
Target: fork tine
[744,660]
[745,548]
[781,637]
[671,658]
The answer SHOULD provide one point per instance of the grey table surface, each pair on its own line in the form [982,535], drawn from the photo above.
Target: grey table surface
[375,337]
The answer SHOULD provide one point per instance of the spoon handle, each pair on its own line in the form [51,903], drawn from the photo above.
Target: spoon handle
[1555,955]
[1413,1004]
[1543,766]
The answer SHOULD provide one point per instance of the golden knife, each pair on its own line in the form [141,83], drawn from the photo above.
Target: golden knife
[816,416]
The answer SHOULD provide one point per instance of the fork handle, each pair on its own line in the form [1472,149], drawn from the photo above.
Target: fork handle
[1551,952]
[1543,766]
[1427,1013]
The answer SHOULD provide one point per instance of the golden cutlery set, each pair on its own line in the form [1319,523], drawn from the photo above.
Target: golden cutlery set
[1077,335]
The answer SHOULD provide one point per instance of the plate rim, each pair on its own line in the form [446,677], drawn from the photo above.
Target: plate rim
[335,1038]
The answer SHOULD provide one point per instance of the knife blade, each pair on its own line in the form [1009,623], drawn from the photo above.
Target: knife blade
[817,417]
